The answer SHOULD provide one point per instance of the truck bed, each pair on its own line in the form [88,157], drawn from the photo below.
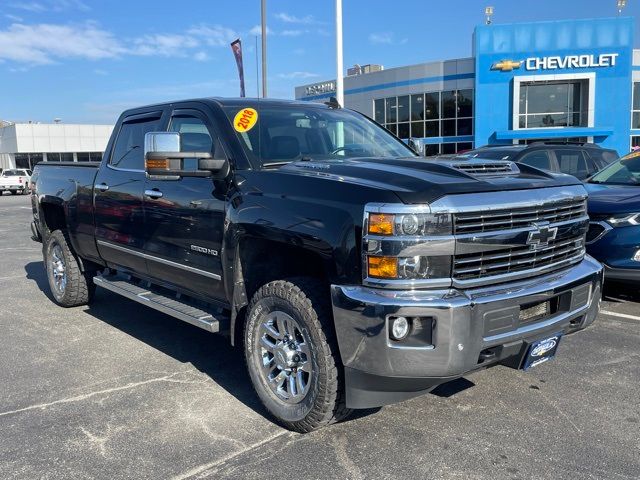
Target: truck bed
[69,186]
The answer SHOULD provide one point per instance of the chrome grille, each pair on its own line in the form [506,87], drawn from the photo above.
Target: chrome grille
[486,168]
[479,222]
[557,254]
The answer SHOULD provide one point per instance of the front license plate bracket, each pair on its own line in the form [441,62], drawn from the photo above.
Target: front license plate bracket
[541,351]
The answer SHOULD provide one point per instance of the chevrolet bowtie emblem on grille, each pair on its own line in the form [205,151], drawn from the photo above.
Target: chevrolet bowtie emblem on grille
[506,65]
[542,235]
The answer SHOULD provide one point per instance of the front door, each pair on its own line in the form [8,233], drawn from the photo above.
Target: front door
[184,217]
[118,195]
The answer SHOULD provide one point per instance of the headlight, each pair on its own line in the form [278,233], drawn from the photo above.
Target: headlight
[395,244]
[409,224]
[624,220]
[409,268]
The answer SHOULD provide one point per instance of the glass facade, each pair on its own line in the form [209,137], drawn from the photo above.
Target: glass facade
[27,160]
[446,148]
[433,114]
[635,109]
[30,160]
[553,104]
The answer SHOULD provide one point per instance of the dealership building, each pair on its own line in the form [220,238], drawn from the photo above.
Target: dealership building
[22,145]
[570,80]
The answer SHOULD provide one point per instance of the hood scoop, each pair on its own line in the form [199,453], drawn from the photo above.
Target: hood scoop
[479,169]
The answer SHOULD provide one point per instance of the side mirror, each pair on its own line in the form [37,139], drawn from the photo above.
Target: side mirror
[162,157]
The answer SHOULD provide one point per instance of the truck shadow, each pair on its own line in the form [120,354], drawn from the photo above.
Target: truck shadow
[210,354]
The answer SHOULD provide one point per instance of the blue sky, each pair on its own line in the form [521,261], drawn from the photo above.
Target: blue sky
[85,61]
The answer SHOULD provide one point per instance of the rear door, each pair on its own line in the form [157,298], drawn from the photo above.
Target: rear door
[184,217]
[574,162]
[118,191]
[538,159]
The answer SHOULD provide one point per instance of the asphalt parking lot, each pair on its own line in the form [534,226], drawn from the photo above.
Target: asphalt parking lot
[116,390]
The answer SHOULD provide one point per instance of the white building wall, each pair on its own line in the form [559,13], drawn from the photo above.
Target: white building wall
[50,138]
[44,138]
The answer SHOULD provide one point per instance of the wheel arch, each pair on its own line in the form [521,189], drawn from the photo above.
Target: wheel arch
[258,261]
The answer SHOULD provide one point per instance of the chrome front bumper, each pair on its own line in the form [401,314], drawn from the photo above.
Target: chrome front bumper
[472,329]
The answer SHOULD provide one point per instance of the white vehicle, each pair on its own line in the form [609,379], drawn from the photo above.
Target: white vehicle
[15,180]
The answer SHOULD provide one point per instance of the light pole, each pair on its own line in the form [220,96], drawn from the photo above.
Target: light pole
[339,67]
[264,47]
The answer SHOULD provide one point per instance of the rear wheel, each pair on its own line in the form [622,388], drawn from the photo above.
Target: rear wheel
[69,285]
[292,355]
[13,192]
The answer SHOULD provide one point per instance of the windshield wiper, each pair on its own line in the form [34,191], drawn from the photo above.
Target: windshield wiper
[275,164]
[278,164]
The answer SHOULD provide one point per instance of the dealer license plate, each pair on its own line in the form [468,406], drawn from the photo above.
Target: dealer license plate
[541,351]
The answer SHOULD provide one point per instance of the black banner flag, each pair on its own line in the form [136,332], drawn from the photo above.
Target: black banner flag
[236,47]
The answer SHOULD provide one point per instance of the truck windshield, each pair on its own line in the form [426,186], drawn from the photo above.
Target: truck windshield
[625,171]
[275,135]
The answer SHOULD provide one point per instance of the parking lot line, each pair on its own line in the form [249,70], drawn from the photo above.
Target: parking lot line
[621,315]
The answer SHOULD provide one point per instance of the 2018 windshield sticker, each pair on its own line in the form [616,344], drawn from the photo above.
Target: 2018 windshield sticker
[245,120]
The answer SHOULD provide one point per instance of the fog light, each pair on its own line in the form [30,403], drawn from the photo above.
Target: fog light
[636,257]
[399,328]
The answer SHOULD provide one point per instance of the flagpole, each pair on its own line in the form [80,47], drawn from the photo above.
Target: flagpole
[339,66]
[264,47]
[257,71]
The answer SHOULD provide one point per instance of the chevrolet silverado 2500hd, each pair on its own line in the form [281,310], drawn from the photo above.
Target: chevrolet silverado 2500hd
[351,272]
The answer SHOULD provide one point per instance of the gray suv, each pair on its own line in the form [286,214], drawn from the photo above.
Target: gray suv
[578,159]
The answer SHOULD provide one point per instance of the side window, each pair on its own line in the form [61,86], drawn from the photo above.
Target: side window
[573,162]
[128,152]
[537,159]
[602,158]
[194,134]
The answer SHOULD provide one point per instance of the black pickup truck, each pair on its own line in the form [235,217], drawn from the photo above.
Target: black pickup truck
[353,273]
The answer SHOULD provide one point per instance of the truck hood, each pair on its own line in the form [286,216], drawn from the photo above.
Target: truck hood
[416,180]
[613,199]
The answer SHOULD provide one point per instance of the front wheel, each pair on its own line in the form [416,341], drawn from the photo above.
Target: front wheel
[292,355]
[69,285]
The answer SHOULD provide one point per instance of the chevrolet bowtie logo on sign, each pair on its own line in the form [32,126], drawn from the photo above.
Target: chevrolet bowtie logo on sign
[506,65]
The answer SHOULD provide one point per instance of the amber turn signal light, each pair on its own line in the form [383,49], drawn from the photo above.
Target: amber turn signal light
[381,224]
[153,164]
[383,267]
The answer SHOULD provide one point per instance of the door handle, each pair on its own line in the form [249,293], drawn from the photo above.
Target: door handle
[102,187]
[153,193]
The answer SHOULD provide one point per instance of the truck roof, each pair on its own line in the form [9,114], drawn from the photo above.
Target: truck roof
[231,102]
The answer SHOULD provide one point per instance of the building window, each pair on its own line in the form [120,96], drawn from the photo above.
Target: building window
[635,141]
[553,104]
[447,148]
[635,113]
[89,156]
[433,114]
[378,111]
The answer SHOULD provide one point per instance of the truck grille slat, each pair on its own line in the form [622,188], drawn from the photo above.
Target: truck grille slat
[475,222]
[475,266]
[489,256]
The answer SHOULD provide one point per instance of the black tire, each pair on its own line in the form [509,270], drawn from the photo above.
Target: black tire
[79,288]
[13,192]
[307,302]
